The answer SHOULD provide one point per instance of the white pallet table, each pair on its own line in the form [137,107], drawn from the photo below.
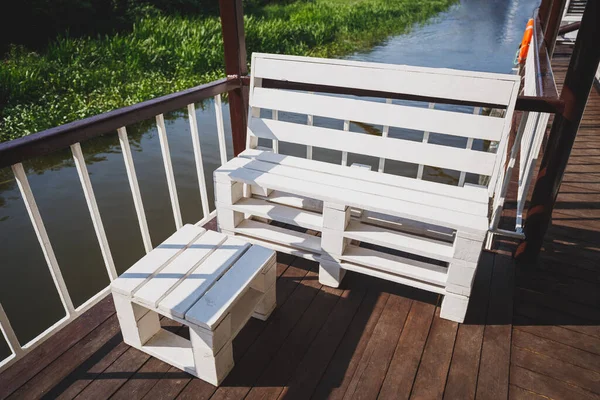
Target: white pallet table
[412,231]
[205,280]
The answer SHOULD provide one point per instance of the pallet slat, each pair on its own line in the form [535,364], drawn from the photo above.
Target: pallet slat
[435,155]
[399,241]
[369,112]
[277,212]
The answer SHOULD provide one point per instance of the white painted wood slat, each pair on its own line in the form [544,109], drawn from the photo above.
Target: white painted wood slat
[362,200]
[90,199]
[384,133]
[201,279]
[275,117]
[406,194]
[152,263]
[166,154]
[135,189]
[198,158]
[10,337]
[463,175]
[422,246]
[425,140]
[471,193]
[476,162]
[167,279]
[275,234]
[281,213]
[397,265]
[437,83]
[216,302]
[220,129]
[345,153]
[376,113]
[42,236]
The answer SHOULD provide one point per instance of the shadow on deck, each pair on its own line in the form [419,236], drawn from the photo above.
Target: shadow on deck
[532,331]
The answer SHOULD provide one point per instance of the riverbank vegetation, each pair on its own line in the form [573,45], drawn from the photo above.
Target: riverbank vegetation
[155,48]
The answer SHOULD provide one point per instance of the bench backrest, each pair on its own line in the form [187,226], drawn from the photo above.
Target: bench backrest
[473,89]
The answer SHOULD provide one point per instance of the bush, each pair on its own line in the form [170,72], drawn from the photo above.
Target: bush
[74,78]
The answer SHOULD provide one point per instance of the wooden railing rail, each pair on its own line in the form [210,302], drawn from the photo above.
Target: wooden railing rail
[61,137]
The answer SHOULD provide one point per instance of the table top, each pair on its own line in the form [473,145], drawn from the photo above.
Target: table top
[194,276]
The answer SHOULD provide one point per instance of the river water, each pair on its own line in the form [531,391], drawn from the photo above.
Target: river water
[479,35]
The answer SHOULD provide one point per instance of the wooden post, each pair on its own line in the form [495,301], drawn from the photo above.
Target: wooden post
[544,12]
[551,28]
[576,89]
[234,44]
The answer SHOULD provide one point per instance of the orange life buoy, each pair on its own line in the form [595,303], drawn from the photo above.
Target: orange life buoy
[527,35]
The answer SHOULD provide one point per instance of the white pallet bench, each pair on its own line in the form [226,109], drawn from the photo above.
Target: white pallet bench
[408,230]
[205,280]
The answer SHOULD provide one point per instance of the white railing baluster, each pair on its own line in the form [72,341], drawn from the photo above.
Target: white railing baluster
[135,189]
[275,116]
[90,199]
[166,154]
[309,149]
[198,157]
[10,337]
[425,140]
[463,174]
[345,153]
[221,129]
[384,133]
[42,236]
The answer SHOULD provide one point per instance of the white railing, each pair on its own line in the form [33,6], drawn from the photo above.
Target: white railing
[71,312]
[526,147]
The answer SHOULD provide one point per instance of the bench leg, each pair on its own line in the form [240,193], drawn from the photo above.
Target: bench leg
[213,352]
[266,306]
[335,220]
[228,193]
[138,324]
[265,283]
[454,307]
[331,273]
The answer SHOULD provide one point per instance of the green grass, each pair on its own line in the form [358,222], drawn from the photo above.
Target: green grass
[74,78]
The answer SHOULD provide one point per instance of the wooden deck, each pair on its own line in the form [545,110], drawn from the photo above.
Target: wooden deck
[531,331]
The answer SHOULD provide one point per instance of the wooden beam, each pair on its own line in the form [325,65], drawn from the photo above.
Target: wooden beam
[544,12]
[576,88]
[234,44]
[554,20]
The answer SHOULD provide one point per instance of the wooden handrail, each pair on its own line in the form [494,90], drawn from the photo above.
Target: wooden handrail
[569,28]
[547,103]
[61,137]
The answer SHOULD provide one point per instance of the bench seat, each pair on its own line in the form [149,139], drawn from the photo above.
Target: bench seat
[405,216]
[405,229]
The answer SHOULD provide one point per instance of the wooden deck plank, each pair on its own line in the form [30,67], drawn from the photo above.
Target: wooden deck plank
[407,356]
[371,370]
[557,350]
[317,357]
[435,363]
[339,373]
[462,377]
[279,371]
[547,386]
[100,340]
[493,378]
[557,369]
[240,380]
[19,373]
